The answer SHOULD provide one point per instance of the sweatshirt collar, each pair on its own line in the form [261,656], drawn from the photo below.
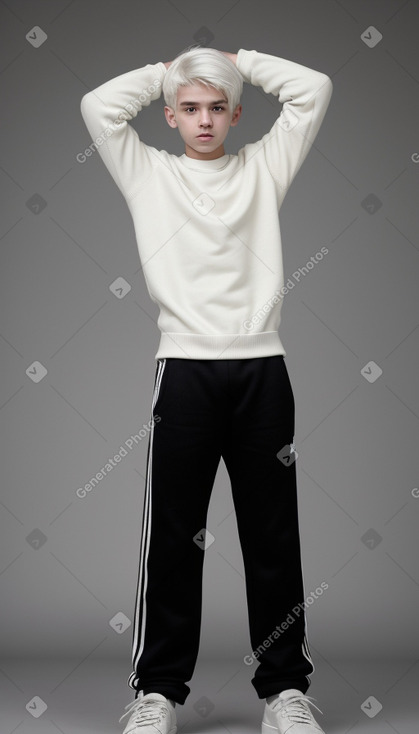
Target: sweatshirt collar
[208,166]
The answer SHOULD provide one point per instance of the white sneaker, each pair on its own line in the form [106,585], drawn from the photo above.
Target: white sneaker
[151,713]
[288,713]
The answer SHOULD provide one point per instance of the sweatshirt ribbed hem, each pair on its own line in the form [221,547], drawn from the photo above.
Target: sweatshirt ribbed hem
[219,346]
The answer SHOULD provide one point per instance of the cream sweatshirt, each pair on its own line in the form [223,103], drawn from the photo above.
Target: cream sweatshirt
[208,231]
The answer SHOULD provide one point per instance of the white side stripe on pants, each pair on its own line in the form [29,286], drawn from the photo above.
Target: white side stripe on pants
[140,602]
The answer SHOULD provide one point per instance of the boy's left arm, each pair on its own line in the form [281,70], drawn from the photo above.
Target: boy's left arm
[305,95]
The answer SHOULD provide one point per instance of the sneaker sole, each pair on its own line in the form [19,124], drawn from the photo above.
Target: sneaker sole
[173,730]
[268,729]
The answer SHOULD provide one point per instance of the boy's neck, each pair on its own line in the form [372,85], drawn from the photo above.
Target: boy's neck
[200,156]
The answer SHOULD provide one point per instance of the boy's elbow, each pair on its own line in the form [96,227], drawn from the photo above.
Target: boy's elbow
[88,105]
[326,87]
[84,101]
[328,84]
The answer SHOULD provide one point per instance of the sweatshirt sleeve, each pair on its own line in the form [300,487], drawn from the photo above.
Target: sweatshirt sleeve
[107,111]
[305,95]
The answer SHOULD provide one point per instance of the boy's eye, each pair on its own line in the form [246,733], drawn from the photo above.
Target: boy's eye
[216,107]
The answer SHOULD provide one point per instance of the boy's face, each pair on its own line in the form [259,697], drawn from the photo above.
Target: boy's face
[201,109]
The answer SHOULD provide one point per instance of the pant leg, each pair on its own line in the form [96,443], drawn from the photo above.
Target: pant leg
[265,499]
[183,455]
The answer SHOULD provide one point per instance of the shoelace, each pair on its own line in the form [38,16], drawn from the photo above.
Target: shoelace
[147,712]
[295,707]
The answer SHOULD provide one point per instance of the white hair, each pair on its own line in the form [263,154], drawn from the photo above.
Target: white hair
[208,66]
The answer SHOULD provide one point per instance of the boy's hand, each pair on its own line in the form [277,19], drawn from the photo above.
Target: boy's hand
[232,57]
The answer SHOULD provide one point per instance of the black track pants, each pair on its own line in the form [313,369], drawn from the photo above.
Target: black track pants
[241,410]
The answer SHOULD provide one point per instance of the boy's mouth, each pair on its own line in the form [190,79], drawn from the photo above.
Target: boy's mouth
[205,135]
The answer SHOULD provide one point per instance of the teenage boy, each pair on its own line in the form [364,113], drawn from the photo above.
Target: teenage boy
[208,236]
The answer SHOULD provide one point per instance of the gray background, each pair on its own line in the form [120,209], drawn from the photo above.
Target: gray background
[69,564]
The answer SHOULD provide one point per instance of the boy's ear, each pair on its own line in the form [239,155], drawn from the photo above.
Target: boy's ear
[170,116]
[236,115]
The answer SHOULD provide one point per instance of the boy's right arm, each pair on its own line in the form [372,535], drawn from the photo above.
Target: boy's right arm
[304,94]
[107,111]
